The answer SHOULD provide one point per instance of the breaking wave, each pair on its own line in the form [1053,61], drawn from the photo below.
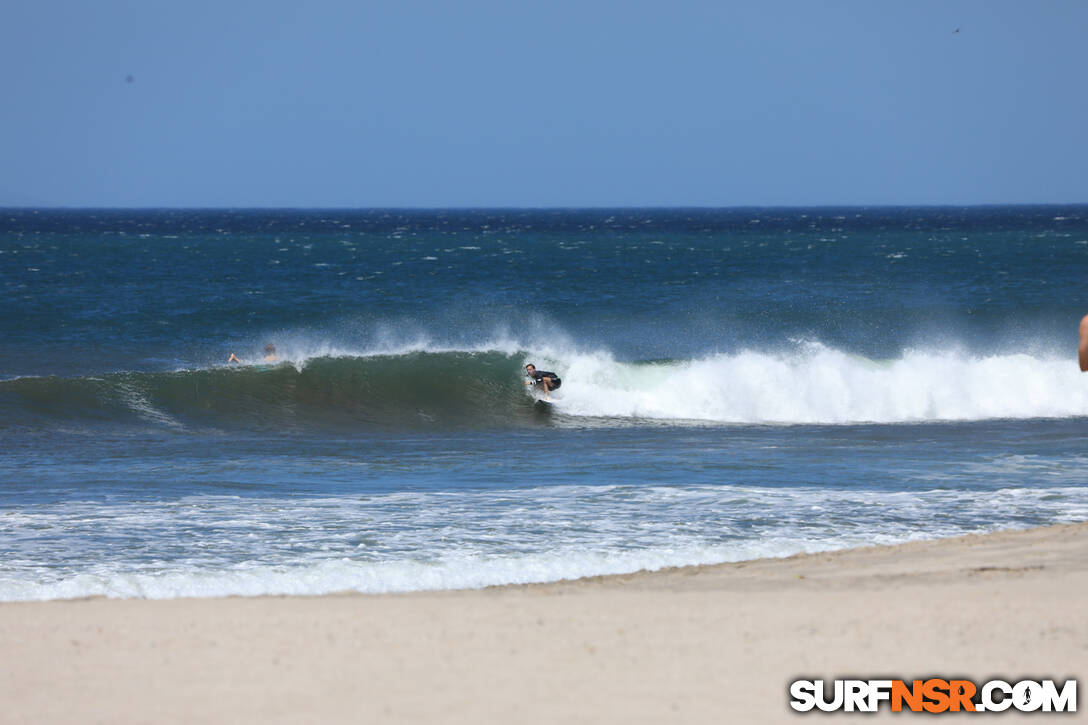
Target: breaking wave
[434,388]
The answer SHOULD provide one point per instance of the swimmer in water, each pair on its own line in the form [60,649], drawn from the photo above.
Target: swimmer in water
[269,355]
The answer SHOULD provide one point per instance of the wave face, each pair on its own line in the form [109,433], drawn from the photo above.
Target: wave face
[420,389]
[811,384]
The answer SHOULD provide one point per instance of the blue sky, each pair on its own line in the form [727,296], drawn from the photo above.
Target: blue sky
[476,103]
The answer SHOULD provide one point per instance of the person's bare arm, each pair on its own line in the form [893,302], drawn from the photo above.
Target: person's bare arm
[1083,349]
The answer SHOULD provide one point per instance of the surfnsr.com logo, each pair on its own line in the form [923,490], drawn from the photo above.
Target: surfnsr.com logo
[933,695]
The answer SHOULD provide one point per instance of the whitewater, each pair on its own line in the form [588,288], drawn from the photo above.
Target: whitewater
[817,384]
[398,542]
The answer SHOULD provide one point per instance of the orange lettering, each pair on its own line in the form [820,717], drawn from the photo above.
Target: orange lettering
[936,691]
[961,692]
[912,695]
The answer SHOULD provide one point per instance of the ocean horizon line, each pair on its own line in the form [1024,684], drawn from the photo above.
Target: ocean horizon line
[541,208]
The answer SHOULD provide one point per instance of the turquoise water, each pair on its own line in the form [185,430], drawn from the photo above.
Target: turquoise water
[736,383]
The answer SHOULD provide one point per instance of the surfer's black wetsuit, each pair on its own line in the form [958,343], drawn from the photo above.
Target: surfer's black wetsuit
[539,375]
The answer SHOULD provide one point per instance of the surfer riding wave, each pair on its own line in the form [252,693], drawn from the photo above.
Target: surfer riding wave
[542,380]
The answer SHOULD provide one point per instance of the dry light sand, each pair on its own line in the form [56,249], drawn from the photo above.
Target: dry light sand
[714,644]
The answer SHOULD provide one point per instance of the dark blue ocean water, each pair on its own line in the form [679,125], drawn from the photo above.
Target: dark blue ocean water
[736,383]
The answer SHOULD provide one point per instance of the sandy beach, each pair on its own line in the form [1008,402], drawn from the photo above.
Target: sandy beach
[697,644]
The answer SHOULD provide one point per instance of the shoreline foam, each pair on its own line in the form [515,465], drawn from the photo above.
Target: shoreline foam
[691,644]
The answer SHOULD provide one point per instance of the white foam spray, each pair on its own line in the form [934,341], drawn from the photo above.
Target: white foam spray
[815,384]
